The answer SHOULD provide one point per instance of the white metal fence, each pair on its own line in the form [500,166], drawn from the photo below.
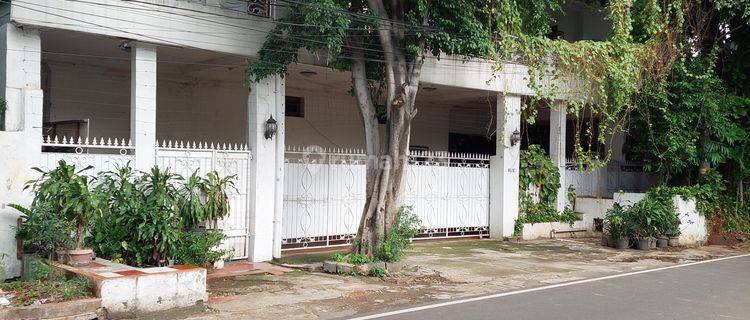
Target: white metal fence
[226,160]
[101,154]
[324,193]
[181,158]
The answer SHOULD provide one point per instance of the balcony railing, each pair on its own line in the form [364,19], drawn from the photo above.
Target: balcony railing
[260,8]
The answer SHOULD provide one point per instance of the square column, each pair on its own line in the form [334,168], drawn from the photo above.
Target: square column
[143,104]
[557,124]
[266,170]
[20,130]
[504,168]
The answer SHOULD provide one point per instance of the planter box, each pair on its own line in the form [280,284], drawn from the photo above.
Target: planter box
[83,309]
[548,230]
[126,290]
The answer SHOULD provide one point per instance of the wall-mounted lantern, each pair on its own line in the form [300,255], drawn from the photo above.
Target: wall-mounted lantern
[271,127]
[515,137]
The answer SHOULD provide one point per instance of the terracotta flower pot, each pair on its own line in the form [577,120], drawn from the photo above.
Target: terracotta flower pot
[80,257]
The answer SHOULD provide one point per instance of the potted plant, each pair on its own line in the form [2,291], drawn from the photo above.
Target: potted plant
[615,224]
[673,236]
[63,195]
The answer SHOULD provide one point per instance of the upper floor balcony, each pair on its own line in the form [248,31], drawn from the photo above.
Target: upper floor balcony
[260,8]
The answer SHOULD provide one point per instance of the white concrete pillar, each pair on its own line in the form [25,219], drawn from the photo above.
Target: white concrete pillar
[504,168]
[266,99]
[21,138]
[557,122]
[143,104]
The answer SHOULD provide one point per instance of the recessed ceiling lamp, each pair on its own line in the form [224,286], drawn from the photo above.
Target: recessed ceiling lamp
[308,73]
[429,89]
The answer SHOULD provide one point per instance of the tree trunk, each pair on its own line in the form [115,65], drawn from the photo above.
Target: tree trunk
[386,160]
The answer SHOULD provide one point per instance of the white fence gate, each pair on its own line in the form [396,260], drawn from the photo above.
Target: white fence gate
[227,160]
[324,193]
[183,159]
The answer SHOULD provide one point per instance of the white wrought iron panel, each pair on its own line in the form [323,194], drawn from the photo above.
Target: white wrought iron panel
[101,154]
[449,192]
[226,160]
[324,195]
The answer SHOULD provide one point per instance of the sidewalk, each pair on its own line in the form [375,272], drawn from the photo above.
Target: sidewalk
[436,271]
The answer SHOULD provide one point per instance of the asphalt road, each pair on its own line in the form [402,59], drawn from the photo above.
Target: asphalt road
[711,290]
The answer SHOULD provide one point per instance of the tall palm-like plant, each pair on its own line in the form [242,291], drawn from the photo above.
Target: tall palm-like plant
[217,200]
[65,192]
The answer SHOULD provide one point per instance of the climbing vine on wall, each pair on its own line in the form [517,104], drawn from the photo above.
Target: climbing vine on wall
[599,79]
[539,181]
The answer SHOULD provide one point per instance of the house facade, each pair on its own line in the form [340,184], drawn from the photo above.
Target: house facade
[110,82]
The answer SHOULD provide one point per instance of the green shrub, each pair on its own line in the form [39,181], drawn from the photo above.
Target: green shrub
[337,257]
[378,272]
[199,248]
[43,231]
[152,217]
[405,227]
[359,259]
[616,221]
[63,204]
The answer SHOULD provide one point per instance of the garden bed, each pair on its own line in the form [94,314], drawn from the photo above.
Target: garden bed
[126,290]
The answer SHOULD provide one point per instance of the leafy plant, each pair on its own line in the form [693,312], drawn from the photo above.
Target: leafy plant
[616,221]
[217,200]
[61,195]
[43,231]
[200,248]
[359,258]
[115,233]
[378,272]
[539,181]
[337,257]
[405,227]
[150,218]
[191,200]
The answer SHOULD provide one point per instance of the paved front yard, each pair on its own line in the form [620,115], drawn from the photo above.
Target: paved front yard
[436,271]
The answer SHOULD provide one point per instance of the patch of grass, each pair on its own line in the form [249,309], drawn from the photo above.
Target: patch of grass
[24,293]
[47,286]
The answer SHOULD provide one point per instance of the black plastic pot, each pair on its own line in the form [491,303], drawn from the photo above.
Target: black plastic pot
[621,243]
[605,240]
[643,244]
[662,242]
